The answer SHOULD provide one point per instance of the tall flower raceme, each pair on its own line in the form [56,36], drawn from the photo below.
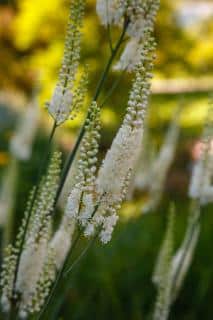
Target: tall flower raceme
[120,159]
[66,99]
[201,186]
[28,279]
[22,140]
[160,166]
[81,200]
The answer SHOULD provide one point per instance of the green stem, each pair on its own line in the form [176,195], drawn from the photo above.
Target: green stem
[62,270]
[44,310]
[108,28]
[110,61]
[112,89]
[81,255]
[66,285]
[109,37]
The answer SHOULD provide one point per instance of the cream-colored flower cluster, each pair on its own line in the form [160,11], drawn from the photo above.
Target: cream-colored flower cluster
[138,17]
[80,203]
[121,157]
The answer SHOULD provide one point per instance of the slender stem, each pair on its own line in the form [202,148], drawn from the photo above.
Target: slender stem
[109,37]
[81,255]
[64,273]
[108,27]
[112,89]
[68,164]
[68,283]
[63,268]
[110,61]
[72,154]
[21,246]
[58,278]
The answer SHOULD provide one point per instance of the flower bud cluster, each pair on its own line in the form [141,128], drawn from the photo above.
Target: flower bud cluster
[61,103]
[7,277]
[110,11]
[71,56]
[79,94]
[142,15]
[89,148]
[139,14]
[80,202]
[138,100]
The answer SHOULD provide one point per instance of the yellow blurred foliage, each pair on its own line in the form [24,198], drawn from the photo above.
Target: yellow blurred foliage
[194,115]
[32,22]
[201,54]
[48,64]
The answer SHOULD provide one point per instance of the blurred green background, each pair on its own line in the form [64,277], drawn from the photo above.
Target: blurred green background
[114,281]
